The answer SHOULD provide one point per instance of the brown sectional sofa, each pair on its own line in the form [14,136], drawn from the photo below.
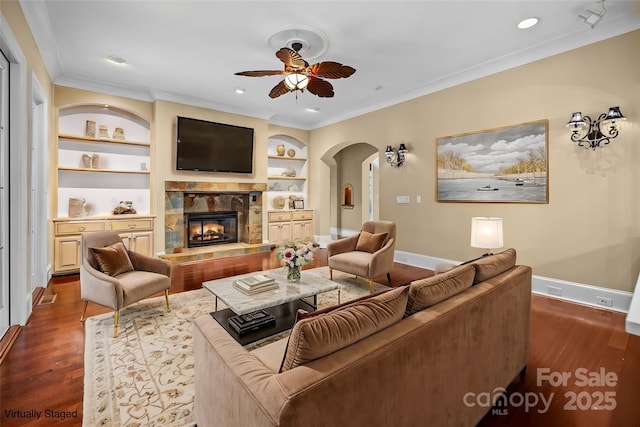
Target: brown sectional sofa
[413,371]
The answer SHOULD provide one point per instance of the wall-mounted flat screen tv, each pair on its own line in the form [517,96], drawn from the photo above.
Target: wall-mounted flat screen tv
[213,147]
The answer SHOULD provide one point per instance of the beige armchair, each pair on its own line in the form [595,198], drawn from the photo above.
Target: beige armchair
[129,282]
[363,254]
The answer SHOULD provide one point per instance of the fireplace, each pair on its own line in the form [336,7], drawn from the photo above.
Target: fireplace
[211,228]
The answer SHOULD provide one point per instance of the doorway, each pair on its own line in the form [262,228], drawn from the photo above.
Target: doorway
[4,205]
[38,272]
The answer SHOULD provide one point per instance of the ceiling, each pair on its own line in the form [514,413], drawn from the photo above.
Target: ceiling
[188,51]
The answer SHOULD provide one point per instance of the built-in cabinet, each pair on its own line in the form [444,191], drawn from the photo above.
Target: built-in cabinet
[287,181]
[104,158]
[136,232]
[287,226]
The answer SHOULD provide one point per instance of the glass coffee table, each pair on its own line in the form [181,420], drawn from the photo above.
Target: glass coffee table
[282,302]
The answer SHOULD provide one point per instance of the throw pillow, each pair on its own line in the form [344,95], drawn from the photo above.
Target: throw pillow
[424,293]
[304,314]
[493,265]
[320,335]
[113,260]
[371,243]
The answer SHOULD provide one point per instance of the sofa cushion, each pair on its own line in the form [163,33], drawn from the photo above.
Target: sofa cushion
[424,293]
[493,265]
[304,314]
[318,336]
[371,243]
[113,259]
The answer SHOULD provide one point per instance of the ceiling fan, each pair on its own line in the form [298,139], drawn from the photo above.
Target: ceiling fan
[299,75]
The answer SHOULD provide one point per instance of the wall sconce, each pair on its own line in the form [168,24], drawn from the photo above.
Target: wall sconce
[589,133]
[396,157]
[486,233]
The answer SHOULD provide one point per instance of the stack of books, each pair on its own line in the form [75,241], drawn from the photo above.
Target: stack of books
[246,323]
[255,284]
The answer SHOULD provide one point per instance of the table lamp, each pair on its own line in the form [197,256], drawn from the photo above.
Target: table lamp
[486,233]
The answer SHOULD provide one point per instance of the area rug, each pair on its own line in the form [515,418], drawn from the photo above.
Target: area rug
[145,376]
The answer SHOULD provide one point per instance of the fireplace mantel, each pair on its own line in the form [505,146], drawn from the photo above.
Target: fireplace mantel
[245,198]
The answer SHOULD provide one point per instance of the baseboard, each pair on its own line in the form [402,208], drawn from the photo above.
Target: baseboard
[582,293]
[322,240]
[555,288]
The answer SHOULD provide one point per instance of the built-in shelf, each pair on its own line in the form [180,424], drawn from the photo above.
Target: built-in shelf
[100,170]
[109,140]
[283,158]
[290,178]
[103,170]
[280,168]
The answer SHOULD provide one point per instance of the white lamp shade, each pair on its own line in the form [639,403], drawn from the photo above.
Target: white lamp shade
[486,232]
[296,81]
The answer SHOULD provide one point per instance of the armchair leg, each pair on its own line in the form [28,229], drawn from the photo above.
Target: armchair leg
[116,317]
[330,273]
[166,298]
[389,277]
[370,286]
[84,310]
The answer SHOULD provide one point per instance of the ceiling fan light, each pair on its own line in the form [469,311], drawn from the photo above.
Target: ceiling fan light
[296,81]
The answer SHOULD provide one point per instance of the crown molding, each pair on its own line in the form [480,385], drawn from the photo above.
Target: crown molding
[37,17]
[550,48]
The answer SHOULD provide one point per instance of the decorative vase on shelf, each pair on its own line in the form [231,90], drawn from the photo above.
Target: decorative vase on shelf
[103,131]
[118,133]
[293,274]
[280,150]
[90,129]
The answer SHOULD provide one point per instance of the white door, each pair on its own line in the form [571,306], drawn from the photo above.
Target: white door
[4,189]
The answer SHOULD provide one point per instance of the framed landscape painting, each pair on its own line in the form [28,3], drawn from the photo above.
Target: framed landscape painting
[507,164]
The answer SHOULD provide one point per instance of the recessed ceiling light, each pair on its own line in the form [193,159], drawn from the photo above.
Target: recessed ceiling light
[313,110]
[239,90]
[527,23]
[117,60]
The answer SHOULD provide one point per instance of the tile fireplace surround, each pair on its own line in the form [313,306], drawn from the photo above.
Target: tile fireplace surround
[182,197]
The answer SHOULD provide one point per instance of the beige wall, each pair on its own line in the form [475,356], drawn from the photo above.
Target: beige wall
[164,158]
[350,169]
[587,233]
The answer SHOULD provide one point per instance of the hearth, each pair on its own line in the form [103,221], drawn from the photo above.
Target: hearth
[211,228]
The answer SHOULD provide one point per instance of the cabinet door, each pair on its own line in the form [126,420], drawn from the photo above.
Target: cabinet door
[67,253]
[126,239]
[302,231]
[286,232]
[279,232]
[307,231]
[142,242]
[297,231]
[274,233]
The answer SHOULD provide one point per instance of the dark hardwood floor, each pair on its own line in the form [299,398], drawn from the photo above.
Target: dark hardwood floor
[44,369]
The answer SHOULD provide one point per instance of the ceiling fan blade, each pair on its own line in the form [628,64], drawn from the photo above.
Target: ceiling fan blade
[319,87]
[291,59]
[331,70]
[260,73]
[279,89]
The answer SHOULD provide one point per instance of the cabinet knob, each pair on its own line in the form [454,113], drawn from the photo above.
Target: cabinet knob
[82,227]
[132,226]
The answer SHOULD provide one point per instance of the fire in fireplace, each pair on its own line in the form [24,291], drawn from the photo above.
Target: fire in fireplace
[211,228]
